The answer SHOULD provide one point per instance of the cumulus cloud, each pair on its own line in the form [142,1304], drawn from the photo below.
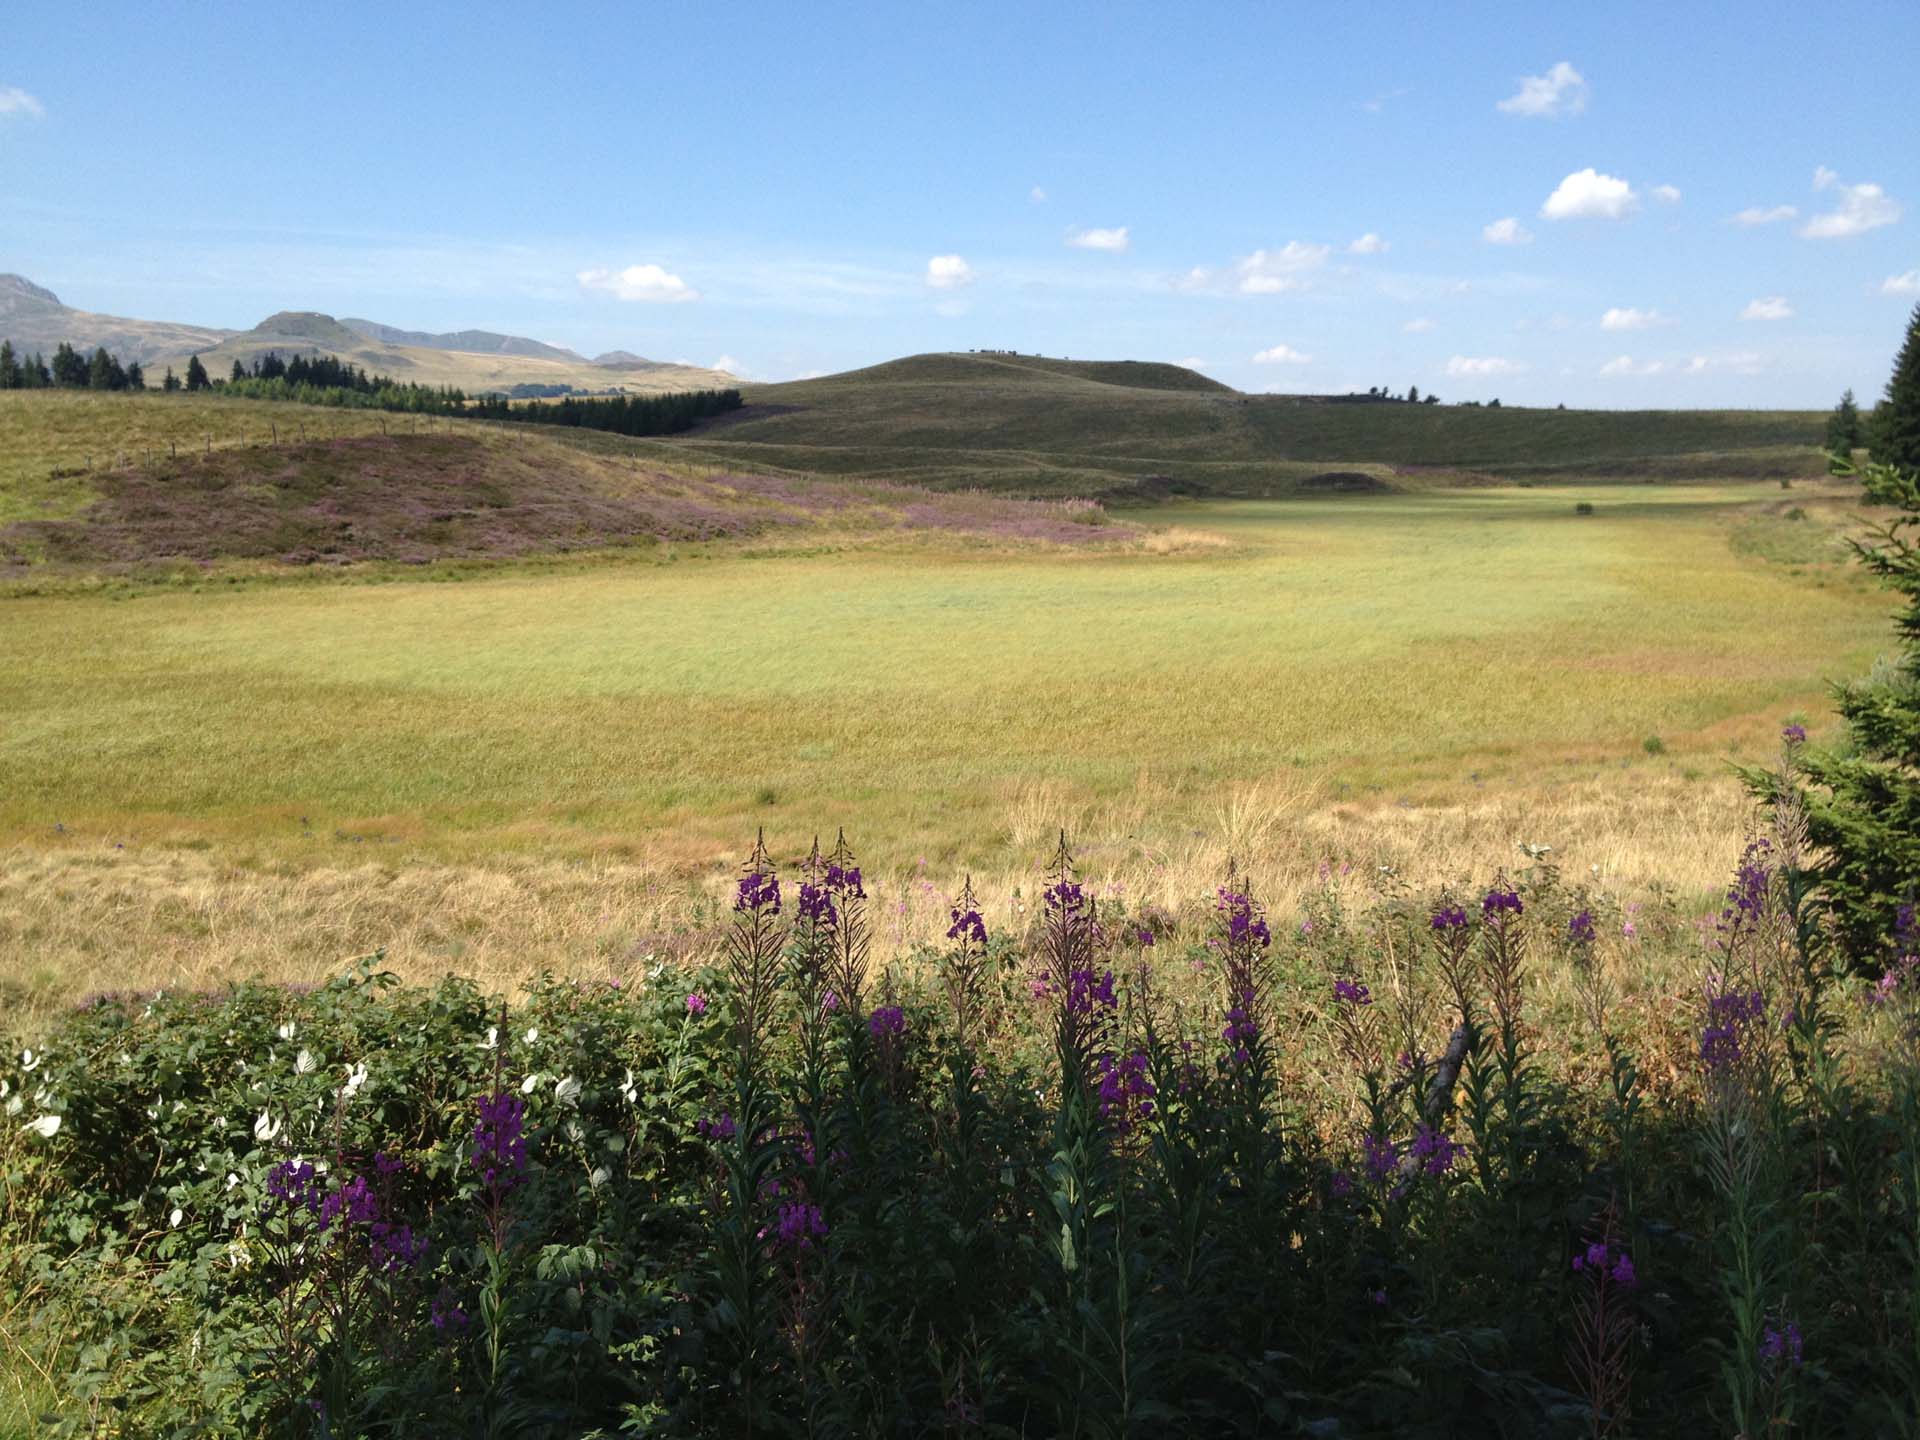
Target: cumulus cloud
[1470,367]
[15,101]
[1740,362]
[1037,196]
[1862,208]
[1766,214]
[639,282]
[948,272]
[1368,244]
[1506,231]
[1417,327]
[1269,272]
[1666,194]
[1907,284]
[1624,365]
[1589,195]
[730,365]
[1628,318]
[1114,240]
[1281,355]
[1561,91]
[1190,362]
[1768,307]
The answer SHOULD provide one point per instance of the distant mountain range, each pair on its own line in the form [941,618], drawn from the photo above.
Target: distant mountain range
[34,319]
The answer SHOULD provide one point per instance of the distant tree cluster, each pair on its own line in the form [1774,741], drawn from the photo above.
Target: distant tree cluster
[70,370]
[1412,397]
[622,414]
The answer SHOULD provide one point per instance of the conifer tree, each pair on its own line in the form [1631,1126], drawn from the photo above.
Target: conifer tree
[68,367]
[196,374]
[1896,420]
[239,372]
[9,371]
[1843,427]
[171,383]
[100,371]
[136,377]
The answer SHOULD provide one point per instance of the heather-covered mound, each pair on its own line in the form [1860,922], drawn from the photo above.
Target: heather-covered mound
[418,498]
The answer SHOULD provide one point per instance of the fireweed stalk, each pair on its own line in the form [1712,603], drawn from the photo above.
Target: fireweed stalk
[746,1311]
[498,1158]
[1740,1146]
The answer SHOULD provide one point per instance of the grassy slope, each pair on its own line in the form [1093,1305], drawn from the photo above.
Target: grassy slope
[1455,634]
[1084,427]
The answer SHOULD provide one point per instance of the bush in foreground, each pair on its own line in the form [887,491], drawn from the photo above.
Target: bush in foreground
[1427,1165]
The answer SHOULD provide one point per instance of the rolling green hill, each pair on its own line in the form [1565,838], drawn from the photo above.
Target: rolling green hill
[1127,429]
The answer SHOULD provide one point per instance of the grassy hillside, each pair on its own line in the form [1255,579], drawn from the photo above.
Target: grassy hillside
[196,480]
[1058,427]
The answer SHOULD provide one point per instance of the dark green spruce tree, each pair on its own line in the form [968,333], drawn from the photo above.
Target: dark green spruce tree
[196,374]
[9,369]
[1896,420]
[1843,427]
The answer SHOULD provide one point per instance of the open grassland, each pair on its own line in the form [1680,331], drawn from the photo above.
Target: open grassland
[1427,679]
[1052,427]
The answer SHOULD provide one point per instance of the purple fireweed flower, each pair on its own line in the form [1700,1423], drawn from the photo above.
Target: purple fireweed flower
[757,892]
[716,1128]
[1794,734]
[887,1022]
[1782,1345]
[1500,902]
[1381,1157]
[967,926]
[1580,928]
[355,1202]
[1448,917]
[1145,937]
[387,1165]
[1352,992]
[1125,1091]
[499,1140]
[800,1225]
[829,1002]
[1241,1029]
[1341,1185]
[1729,1016]
[1085,994]
[449,1316]
[1434,1149]
[1622,1272]
[817,907]
[1747,896]
[696,1004]
[1245,924]
[396,1247]
[1904,923]
[297,1185]
[844,880]
[1378,1297]
[1066,897]
[1603,1262]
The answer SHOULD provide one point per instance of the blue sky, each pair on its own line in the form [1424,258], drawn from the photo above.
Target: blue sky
[800,189]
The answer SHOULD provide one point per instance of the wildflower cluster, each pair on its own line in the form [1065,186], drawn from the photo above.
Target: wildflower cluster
[499,1141]
[1730,1016]
[1125,1093]
[1782,1346]
[1607,1262]
[1245,923]
[758,891]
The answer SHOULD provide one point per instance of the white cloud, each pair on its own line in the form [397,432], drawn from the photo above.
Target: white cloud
[1666,194]
[1740,362]
[15,101]
[1198,278]
[1628,318]
[1281,355]
[730,365]
[1561,91]
[1269,272]
[1191,362]
[1369,244]
[1907,284]
[1506,231]
[1862,208]
[948,272]
[1471,367]
[1768,307]
[1766,215]
[1623,365]
[639,282]
[1037,196]
[1114,239]
[1589,195]
[1417,327]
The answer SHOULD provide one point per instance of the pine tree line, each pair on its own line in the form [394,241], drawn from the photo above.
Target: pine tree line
[70,370]
[622,414]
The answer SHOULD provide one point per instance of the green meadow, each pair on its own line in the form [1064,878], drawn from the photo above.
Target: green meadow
[1412,644]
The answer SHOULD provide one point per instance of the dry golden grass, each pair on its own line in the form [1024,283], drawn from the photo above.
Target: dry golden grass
[74,920]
